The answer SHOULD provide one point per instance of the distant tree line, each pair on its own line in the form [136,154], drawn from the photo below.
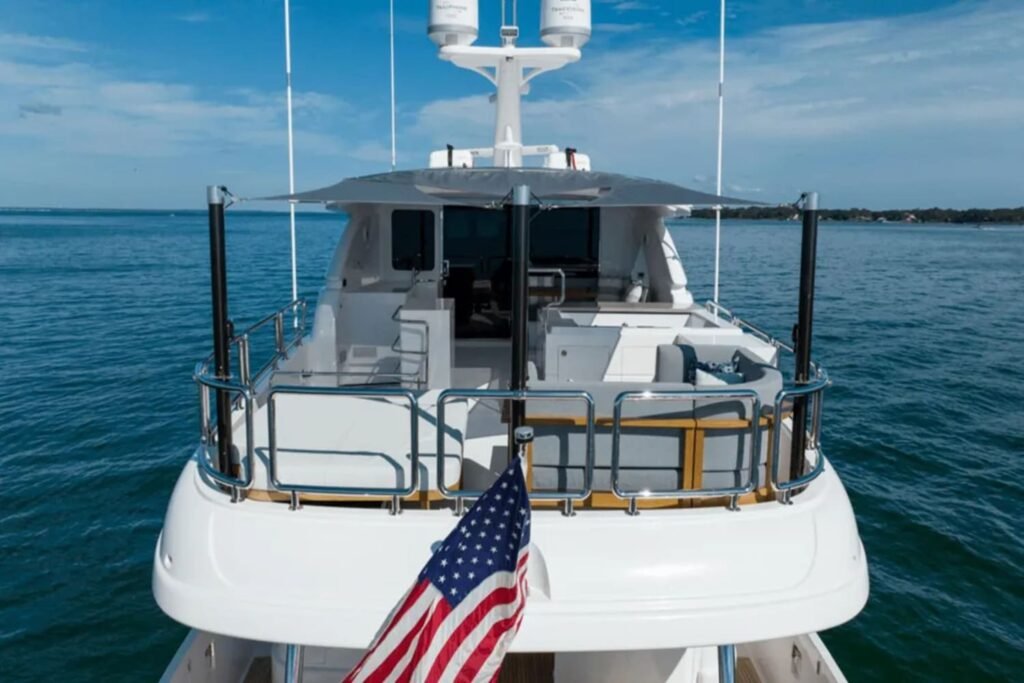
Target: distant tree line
[934,215]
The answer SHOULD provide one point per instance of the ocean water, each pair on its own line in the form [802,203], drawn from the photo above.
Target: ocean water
[104,314]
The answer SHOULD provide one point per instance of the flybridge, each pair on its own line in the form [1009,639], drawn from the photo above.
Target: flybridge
[565,28]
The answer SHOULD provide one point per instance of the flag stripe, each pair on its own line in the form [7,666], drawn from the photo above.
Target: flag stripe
[458,619]
[476,605]
[483,624]
[419,600]
[498,597]
[499,631]
[416,653]
[395,656]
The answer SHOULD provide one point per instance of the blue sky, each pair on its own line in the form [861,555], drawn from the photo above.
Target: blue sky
[878,103]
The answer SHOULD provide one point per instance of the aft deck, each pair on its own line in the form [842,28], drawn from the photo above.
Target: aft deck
[649,498]
[633,406]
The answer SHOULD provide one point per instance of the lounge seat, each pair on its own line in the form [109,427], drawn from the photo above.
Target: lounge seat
[665,445]
[357,442]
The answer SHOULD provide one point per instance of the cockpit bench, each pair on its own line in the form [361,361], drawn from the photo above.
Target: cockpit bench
[678,444]
[355,442]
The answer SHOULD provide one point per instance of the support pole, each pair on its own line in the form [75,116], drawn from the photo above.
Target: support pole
[291,146]
[293,664]
[721,133]
[394,132]
[221,324]
[803,331]
[520,225]
[726,663]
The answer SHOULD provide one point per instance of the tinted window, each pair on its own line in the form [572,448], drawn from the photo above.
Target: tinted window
[564,237]
[412,240]
[558,238]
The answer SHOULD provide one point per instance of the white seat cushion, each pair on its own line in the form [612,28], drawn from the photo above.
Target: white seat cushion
[350,441]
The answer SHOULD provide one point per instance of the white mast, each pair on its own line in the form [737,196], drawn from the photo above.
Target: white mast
[291,140]
[721,121]
[394,142]
[510,68]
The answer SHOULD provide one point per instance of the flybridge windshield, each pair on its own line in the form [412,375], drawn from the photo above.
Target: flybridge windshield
[558,238]
[477,248]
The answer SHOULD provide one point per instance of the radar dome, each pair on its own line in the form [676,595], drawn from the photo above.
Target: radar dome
[454,22]
[565,23]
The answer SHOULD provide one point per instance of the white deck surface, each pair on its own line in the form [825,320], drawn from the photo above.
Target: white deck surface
[351,441]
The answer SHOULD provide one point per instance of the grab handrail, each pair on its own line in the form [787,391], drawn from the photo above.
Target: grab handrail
[396,345]
[293,490]
[245,390]
[208,432]
[567,497]
[717,309]
[281,345]
[733,492]
[814,390]
[552,271]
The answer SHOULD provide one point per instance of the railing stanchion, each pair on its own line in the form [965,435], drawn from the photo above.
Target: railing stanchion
[279,333]
[816,420]
[726,663]
[293,664]
[633,510]
[243,360]
[204,414]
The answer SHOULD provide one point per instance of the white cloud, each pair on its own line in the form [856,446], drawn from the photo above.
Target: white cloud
[195,17]
[66,124]
[23,41]
[692,18]
[901,111]
[600,28]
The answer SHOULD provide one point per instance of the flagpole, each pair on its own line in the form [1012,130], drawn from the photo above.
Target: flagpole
[291,142]
[394,143]
[721,122]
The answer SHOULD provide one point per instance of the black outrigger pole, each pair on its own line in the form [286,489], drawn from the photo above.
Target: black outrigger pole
[520,225]
[802,332]
[221,324]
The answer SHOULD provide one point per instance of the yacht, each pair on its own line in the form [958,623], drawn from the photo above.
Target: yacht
[509,299]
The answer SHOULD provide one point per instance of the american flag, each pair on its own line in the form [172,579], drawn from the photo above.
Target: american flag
[458,620]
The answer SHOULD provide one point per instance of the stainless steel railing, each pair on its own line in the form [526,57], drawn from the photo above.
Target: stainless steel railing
[208,431]
[294,489]
[248,385]
[815,393]
[730,317]
[282,344]
[554,272]
[244,388]
[421,379]
[732,493]
[813,390]
[568,498]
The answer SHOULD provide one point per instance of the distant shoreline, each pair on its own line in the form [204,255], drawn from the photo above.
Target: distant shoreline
[759,213]
[933,215]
